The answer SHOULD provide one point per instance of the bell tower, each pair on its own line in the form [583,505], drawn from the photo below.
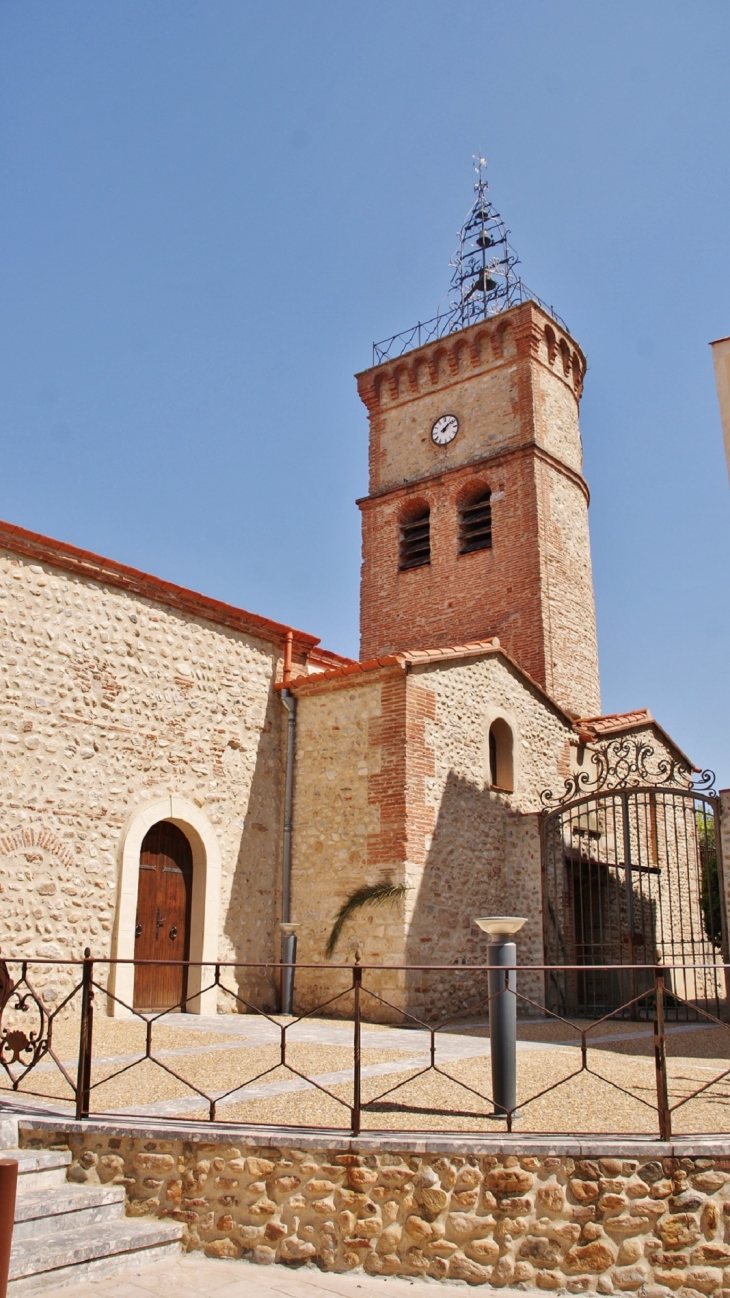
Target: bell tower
[476,520]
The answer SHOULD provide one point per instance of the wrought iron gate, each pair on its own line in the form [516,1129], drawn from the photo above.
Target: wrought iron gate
[632,876]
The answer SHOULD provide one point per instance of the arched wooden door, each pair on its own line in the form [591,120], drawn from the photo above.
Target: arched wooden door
[163,917]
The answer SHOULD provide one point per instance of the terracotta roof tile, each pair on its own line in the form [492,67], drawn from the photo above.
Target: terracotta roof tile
[615,722]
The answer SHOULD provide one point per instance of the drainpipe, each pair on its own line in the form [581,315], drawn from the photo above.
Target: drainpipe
[288,936]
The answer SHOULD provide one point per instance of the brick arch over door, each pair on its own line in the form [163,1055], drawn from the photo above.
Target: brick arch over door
[205,907]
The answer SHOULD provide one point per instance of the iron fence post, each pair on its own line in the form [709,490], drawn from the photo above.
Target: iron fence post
[629,893]
[660,1059]
[356,1094]
[83,1077]
[722,887]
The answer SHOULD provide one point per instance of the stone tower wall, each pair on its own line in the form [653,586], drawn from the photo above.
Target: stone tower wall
[514,384]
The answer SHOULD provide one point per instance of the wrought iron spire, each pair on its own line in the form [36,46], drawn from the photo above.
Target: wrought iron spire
[483,282]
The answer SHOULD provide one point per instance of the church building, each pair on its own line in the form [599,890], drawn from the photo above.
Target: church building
[181,778]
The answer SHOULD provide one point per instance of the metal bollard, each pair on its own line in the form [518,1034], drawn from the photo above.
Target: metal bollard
[288,957]
[501,953]
[8,1187]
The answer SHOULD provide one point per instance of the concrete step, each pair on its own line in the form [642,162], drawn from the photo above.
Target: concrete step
[68,1257]
[68,1207]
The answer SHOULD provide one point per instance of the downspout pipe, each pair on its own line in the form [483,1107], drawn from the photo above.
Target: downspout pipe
[288,935]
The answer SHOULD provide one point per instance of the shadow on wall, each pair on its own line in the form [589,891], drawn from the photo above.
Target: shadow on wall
[592,923]
[484,859]
[252,919]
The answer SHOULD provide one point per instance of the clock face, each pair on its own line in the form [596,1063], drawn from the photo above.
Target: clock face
[445,430]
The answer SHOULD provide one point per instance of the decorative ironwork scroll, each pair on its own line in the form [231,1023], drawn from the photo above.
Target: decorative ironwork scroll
[21,1048]
[624,763]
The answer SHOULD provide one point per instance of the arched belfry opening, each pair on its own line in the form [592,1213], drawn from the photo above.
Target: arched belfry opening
[475,521]
[164,909]
[414,545]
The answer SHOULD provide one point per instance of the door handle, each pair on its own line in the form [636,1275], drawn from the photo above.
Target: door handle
[138,930]
[173,931]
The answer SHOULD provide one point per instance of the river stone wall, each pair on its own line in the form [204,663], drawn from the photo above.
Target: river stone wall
[110,701]
[606,1224]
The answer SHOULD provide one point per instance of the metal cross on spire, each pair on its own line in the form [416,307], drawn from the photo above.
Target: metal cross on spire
[483,281]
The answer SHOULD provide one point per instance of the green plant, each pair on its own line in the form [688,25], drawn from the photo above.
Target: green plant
[376,893]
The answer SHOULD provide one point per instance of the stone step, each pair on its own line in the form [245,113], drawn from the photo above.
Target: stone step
[51,1260]
[39,1160]
[68,1207]
[39,1169]
[8,1132]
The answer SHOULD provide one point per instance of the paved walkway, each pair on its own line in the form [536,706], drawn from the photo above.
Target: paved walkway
[193,1276]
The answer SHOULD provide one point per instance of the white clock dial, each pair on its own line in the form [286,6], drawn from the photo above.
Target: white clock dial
[445,430]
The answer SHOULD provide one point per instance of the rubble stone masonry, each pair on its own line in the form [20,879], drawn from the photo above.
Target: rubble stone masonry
[393,782]
[110,701]
[606,1222]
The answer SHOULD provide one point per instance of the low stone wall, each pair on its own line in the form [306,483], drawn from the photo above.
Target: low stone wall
[658,1225]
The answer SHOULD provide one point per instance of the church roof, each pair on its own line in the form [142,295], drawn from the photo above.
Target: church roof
[83,563]
[589,729]
[352,671]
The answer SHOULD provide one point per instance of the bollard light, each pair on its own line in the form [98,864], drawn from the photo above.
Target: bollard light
[501,953]
[288,957]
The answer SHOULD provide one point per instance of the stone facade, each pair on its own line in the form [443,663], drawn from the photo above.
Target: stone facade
[393,781]
[609,1222]
[111,700]
[514,383]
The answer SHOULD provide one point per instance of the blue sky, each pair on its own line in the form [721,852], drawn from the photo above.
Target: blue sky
[209,210]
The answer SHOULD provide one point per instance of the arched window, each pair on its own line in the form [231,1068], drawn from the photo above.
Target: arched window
[475,524]
[415,540]
[501,767]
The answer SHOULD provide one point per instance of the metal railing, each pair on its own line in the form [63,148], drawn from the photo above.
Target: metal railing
[339,1048]
[451,321]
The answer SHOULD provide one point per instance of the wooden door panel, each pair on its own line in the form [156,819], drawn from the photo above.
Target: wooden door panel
[163,917]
